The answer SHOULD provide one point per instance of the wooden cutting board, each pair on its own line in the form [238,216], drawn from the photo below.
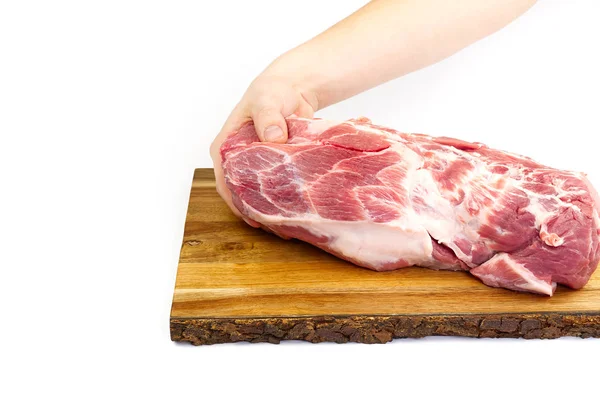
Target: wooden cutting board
[236,283]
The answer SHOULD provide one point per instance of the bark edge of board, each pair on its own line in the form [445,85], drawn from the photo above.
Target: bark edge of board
[382,329]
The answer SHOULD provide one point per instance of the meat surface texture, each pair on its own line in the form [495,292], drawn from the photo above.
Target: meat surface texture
[383,200]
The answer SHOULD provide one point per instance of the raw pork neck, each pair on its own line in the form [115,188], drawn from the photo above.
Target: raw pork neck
[383,200]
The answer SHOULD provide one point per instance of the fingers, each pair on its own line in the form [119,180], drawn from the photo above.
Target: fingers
[304,110]
[269,122]
[236,119]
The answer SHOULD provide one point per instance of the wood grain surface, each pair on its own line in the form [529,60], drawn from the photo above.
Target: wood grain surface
[237,283]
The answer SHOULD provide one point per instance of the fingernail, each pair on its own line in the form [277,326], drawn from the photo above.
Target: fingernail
[273,133]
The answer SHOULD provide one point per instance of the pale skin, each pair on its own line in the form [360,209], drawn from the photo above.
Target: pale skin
[382,41]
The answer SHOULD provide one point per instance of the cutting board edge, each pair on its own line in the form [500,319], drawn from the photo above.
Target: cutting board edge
[383,328]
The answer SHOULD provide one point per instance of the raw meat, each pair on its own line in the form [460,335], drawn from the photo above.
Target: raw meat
[384,200]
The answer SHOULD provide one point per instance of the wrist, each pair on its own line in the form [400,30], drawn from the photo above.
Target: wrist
[298,72]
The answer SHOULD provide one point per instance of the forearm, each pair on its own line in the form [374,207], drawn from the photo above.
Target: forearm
[389,38]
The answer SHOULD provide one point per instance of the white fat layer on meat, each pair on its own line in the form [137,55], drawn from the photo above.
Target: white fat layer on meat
[530,283]
[375,244]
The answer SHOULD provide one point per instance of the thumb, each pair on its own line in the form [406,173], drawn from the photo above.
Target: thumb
[270,124]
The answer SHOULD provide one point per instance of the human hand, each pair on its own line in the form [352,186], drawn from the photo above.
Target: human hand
[268,100]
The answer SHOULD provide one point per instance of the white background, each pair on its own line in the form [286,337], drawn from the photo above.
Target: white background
[107,107]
